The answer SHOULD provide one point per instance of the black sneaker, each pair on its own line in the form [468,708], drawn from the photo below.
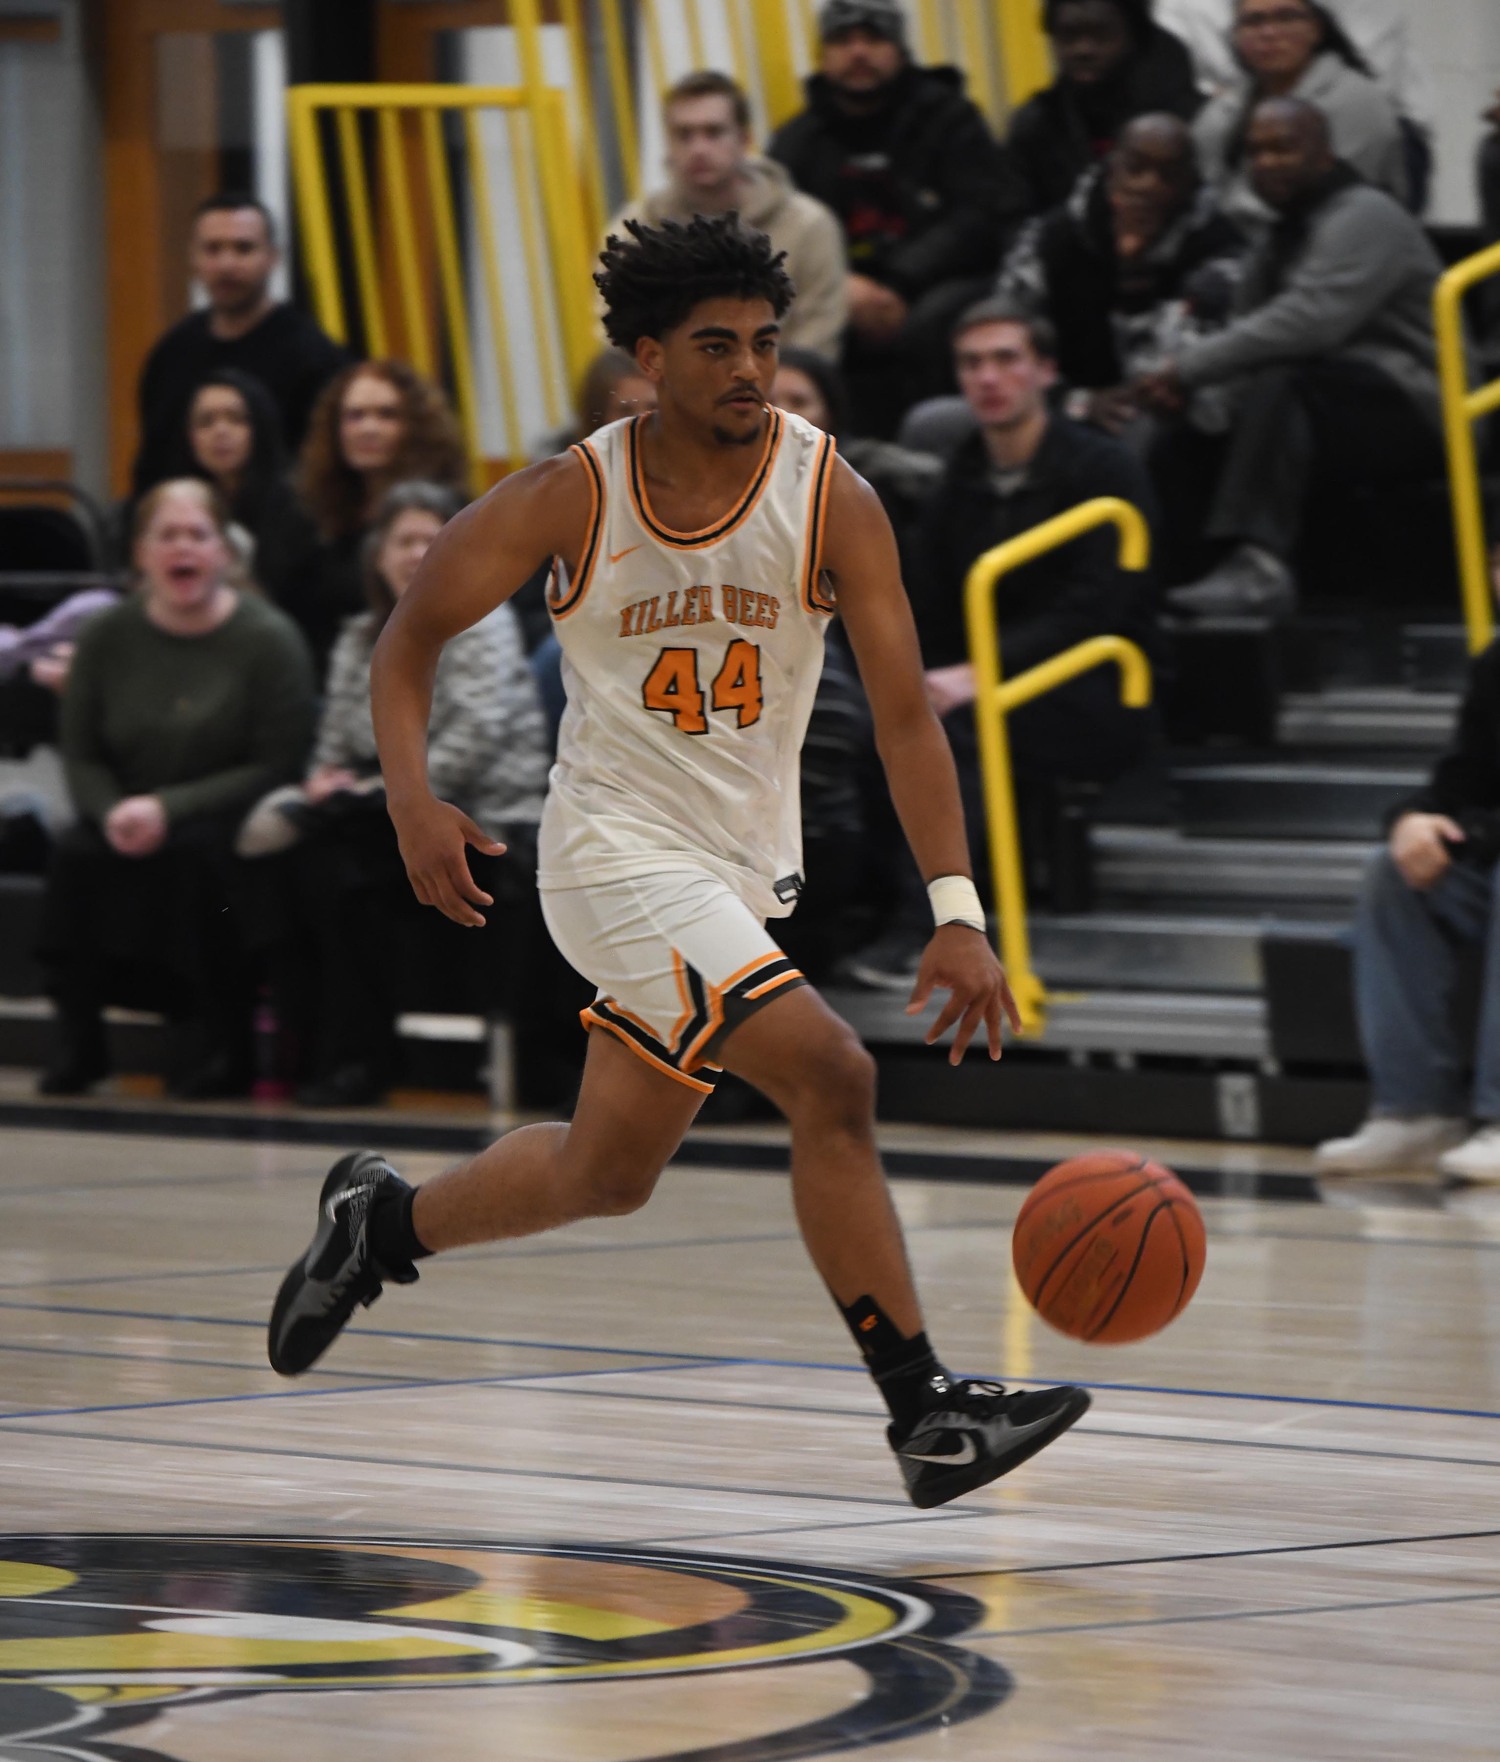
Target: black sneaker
[320,1293]
[975,1432]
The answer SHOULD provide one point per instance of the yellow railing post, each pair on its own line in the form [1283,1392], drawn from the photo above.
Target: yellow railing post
[1026,61]
[994,699]
[311,181]
[1462,408]
[778,66]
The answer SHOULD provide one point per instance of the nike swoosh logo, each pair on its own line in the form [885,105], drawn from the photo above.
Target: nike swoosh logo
[625,553]
[949,1459]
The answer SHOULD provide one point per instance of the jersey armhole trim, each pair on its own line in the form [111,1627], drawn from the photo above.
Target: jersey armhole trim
[560,605]
[815,597]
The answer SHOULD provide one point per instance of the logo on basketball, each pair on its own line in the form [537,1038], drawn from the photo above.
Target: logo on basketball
[98,1634]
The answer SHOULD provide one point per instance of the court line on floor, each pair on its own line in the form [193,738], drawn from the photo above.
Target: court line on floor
[1223,1554]
[1094,1627]
[344,1458]
[396,1386]
[690,1359]
[375,1376]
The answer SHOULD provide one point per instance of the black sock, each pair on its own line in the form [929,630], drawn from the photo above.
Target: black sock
[903,1369]
[393,1239]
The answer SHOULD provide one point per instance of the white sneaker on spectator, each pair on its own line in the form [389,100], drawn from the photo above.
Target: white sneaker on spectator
[1385,1142]
[1251,583]
[1476,1160]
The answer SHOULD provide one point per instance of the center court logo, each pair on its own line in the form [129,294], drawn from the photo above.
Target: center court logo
[100,1634]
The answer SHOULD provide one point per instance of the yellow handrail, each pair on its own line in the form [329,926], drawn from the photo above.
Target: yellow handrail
[526,296]
[995,698]
[1462,408]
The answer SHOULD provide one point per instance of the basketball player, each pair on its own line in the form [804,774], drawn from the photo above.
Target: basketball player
[697,555]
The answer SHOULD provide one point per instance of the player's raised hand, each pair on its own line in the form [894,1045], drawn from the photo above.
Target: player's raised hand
[960,961]
[434,837]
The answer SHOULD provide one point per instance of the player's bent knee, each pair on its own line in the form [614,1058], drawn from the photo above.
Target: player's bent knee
[837,1080]
[618,1191]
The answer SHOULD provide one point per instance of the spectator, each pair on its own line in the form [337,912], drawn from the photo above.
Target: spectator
[1331,355]
[1380,30]
[184,705]
[377,424]
[233,255]
[1135,263]
[1113,63]
[1489,210]
[1023,466]
[1297,49]
[1427,919]
[921,188]
[487,754]
[903,478]
[232,439]
[707,120]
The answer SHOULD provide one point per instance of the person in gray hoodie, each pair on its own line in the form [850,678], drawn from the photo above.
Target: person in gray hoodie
[707,118]
[1298,49]
[1330,356]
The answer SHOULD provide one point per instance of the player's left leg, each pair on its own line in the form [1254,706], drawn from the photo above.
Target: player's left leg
[949,1435]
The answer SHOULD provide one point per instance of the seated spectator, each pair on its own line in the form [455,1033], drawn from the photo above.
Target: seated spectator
[1137,262]
[1427,921]
[233,256]
[232,439]
[1380,30]
[1330,355]
[378,423]
[903,478]
[184,704]
[1297,49]
[487,754]
[1023,466]
[923,193]
[1113,63]
[712,170]
[1489,213]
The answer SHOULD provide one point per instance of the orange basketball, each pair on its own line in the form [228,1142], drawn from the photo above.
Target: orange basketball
[1109,1247]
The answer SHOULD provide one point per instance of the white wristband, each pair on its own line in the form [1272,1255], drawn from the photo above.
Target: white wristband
[955,900]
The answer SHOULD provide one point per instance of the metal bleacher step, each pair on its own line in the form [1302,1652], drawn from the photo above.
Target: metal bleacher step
[1384,716]
[1284,798]
[1140,863]
[1119,1023]
[1158,951]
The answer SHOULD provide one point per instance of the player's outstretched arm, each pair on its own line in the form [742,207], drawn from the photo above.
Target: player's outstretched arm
[477,561]
[860,554]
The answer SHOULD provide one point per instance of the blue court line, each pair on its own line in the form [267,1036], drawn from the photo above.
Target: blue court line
[374,1376]
[690,1359]
[393,1387]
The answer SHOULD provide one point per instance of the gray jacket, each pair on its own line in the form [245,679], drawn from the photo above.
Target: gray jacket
[1362,120]
[1358,286]
[487,749]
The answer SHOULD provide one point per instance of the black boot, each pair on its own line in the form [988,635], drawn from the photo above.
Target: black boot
[81,1059]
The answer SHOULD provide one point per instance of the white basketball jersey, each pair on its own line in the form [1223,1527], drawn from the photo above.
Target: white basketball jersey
[691,662]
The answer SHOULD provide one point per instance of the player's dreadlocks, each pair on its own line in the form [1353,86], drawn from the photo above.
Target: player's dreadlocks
[654,279]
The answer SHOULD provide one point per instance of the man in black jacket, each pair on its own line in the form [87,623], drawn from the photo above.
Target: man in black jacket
[233,256]
[1023,466]
[921,188]
[1136,263]
[1113,63]
[1430,912]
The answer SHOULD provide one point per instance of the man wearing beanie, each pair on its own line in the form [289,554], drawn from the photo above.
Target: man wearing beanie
[923,192]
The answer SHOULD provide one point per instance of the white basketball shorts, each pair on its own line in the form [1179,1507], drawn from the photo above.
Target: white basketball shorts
[680,961]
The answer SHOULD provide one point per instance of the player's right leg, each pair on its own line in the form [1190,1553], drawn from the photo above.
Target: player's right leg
[372,1226]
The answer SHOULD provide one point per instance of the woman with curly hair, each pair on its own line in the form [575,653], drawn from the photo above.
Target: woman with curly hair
[377,424]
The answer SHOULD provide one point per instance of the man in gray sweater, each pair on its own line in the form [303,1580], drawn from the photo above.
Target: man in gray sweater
[1330,359]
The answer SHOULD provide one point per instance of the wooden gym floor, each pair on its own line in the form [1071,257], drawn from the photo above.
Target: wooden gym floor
[619,1494]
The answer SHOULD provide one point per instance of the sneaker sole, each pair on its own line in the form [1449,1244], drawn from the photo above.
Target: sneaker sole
[980,1474]
[298,1272]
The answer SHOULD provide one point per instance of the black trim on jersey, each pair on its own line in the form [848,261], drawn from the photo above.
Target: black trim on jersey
[812,598]
[684,541]
[560,607]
